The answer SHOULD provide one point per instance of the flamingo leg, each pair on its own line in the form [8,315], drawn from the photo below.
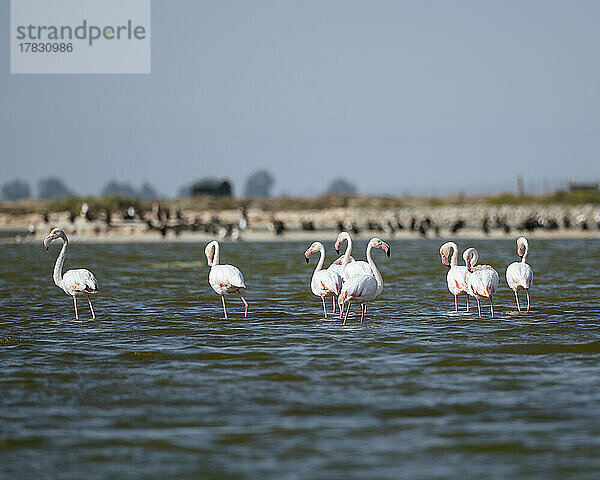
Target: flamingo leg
[517,298]
[455,303]
[224,309]
[467,303]
[334,299]
[342,306]
[362,313]
[91,308]
[491,307]
[347,312]
[75,303]
[324,309]
[479,308]
[245,305]
[527,290]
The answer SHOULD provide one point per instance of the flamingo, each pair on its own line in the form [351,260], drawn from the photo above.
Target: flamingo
[456,274]
[73,282]
[481,280]
[519,275]
[350,269]
[364,288]
[224,278]
[324,282]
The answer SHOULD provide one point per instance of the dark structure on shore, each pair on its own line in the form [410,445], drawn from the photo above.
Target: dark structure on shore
[211,186]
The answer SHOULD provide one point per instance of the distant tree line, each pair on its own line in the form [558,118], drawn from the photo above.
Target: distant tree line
[53,187]
[258,185]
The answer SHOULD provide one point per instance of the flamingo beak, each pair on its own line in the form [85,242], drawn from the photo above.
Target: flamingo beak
[386,248]
[445,260]
[469,268]
[47,241]
[307,254]
[520,251]
[337,247]
[209,261]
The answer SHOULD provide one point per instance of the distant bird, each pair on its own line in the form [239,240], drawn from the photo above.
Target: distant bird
[278,226]
[481,280]
[364,288]
[519,275]
[224,279]
[73,282]
[485,225]
[456,275]
[350,269]
[457,225]
[324,283]
[376,226]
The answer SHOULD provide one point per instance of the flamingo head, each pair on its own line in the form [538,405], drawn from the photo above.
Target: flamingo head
[521,246]
[53,235]
[341,259]
[470,256]
[342,237]
[445,253]
[315,247]
[376,243]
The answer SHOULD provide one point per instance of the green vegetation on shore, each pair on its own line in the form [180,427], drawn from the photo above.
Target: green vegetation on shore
[116,202]
[573,197]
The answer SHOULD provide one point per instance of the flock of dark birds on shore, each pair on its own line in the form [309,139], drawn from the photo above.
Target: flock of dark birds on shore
[163,220]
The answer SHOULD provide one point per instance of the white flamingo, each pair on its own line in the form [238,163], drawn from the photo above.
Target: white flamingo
[350,269]
[456,274]
[519,275]
[73,282]
[364,288]
[324,282]
[481,280]
[224,279]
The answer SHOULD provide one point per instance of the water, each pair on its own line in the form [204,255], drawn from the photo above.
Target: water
[161,386]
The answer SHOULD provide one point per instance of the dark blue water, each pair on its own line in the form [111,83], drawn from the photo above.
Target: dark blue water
[161,386]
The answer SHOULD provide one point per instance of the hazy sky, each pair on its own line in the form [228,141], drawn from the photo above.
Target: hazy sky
[420,97]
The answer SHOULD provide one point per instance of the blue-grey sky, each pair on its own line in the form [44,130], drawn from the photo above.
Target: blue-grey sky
[399,97]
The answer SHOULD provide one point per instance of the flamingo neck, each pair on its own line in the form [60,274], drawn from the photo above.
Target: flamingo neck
[375,270]
[321,259]
[524,258]
[215,259]
[454,258]
[347,253]
[57,276]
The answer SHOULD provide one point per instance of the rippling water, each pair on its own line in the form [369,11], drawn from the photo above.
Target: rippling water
[161,386]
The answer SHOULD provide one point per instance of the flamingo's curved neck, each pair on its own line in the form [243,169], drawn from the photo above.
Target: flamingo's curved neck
[57,276]
[215,259]
[454,258]
[321,259]
[474,258]
[375,270]
[524,259]
[346,254]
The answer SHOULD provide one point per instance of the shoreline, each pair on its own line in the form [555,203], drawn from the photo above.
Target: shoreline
[297,236]
[258,225]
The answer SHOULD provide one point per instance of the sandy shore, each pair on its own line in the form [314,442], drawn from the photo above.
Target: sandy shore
[478,221]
